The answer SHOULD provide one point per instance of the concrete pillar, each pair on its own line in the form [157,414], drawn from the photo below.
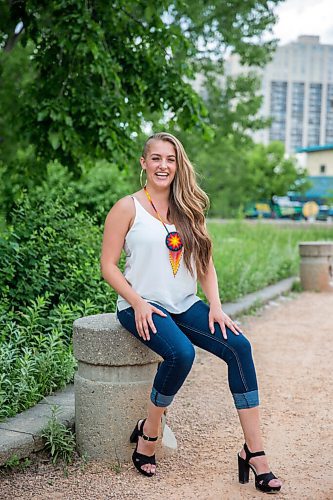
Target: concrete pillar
[112,387]
[316,265]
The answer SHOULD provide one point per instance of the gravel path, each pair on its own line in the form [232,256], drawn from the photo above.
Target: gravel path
[292,344]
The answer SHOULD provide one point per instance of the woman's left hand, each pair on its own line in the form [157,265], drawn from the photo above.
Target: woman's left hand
[216,315]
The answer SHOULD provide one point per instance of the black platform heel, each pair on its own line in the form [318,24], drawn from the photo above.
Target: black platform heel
[138,458]
[261,480]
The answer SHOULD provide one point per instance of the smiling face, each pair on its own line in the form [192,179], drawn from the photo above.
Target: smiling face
[160,164]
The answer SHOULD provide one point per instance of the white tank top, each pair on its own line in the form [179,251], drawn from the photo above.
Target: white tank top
[148,269]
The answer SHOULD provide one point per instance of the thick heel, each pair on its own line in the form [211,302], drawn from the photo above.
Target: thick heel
[243,470]
[134,435]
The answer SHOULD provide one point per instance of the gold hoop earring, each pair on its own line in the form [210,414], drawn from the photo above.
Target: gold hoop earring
[142,170]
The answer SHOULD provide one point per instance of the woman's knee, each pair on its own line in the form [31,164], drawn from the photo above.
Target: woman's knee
[184,357]
[242,346]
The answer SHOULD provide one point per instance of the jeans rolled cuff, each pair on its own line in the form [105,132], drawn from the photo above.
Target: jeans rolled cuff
[159,399]
[246,400]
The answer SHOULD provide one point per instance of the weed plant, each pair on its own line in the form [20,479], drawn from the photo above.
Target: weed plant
[14,463]
[59,440]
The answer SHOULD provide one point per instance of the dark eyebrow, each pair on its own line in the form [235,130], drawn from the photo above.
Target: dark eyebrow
[157,154]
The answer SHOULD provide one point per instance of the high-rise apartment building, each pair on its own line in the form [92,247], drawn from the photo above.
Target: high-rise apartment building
[297,87]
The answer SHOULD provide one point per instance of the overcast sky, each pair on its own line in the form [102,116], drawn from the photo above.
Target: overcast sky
[304,17]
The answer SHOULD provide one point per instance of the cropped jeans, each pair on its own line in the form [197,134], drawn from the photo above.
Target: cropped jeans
[174,340]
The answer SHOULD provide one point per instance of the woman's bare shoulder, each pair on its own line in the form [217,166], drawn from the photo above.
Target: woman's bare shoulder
[123,206]
[122,212]
[125,203]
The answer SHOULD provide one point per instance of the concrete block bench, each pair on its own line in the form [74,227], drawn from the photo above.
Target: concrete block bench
[112,387]
[316,265]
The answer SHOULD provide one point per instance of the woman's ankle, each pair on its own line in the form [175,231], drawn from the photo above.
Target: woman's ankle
[254,445]
[150,429]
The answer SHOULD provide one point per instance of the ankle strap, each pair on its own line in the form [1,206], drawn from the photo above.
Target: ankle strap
[141,433]
[249,453]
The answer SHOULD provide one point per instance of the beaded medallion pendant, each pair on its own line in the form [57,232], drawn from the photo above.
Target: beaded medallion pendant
[173,241]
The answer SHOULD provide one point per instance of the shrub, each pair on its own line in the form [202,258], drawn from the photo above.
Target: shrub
[100,186]
[51,276]
[36,356]
[53,247]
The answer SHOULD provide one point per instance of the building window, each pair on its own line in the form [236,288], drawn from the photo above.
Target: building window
[297,112]
[314,114]
[278,108]
[323,169]
[329,114]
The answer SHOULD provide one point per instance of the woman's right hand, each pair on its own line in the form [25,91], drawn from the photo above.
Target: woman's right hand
[143,317]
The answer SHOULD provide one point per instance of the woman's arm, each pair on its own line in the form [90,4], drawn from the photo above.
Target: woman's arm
[209,284]
[117,224]
[115,230]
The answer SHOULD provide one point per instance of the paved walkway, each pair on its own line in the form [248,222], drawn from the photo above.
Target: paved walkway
[293,350]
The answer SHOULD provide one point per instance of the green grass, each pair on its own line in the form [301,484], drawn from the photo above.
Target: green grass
[249,257]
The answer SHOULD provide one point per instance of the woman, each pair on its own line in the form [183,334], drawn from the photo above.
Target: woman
[163,232]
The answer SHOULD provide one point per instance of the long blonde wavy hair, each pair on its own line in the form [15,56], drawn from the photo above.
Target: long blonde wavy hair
[188,204]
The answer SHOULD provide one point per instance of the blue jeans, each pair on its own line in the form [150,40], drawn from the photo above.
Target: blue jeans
[176,334]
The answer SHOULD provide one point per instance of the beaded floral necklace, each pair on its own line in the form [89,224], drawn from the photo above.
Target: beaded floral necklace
[172,241]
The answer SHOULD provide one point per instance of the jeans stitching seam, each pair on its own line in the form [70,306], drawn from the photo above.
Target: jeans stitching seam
[223,343]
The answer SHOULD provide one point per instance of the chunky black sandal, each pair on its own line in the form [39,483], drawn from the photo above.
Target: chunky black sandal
[261,480]
[138,458]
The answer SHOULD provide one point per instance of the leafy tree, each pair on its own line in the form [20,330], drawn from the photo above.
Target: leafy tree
[235,173]
[15,74]
[270,173]
[100,69]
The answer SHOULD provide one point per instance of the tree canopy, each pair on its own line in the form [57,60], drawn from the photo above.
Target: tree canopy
[101,69]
